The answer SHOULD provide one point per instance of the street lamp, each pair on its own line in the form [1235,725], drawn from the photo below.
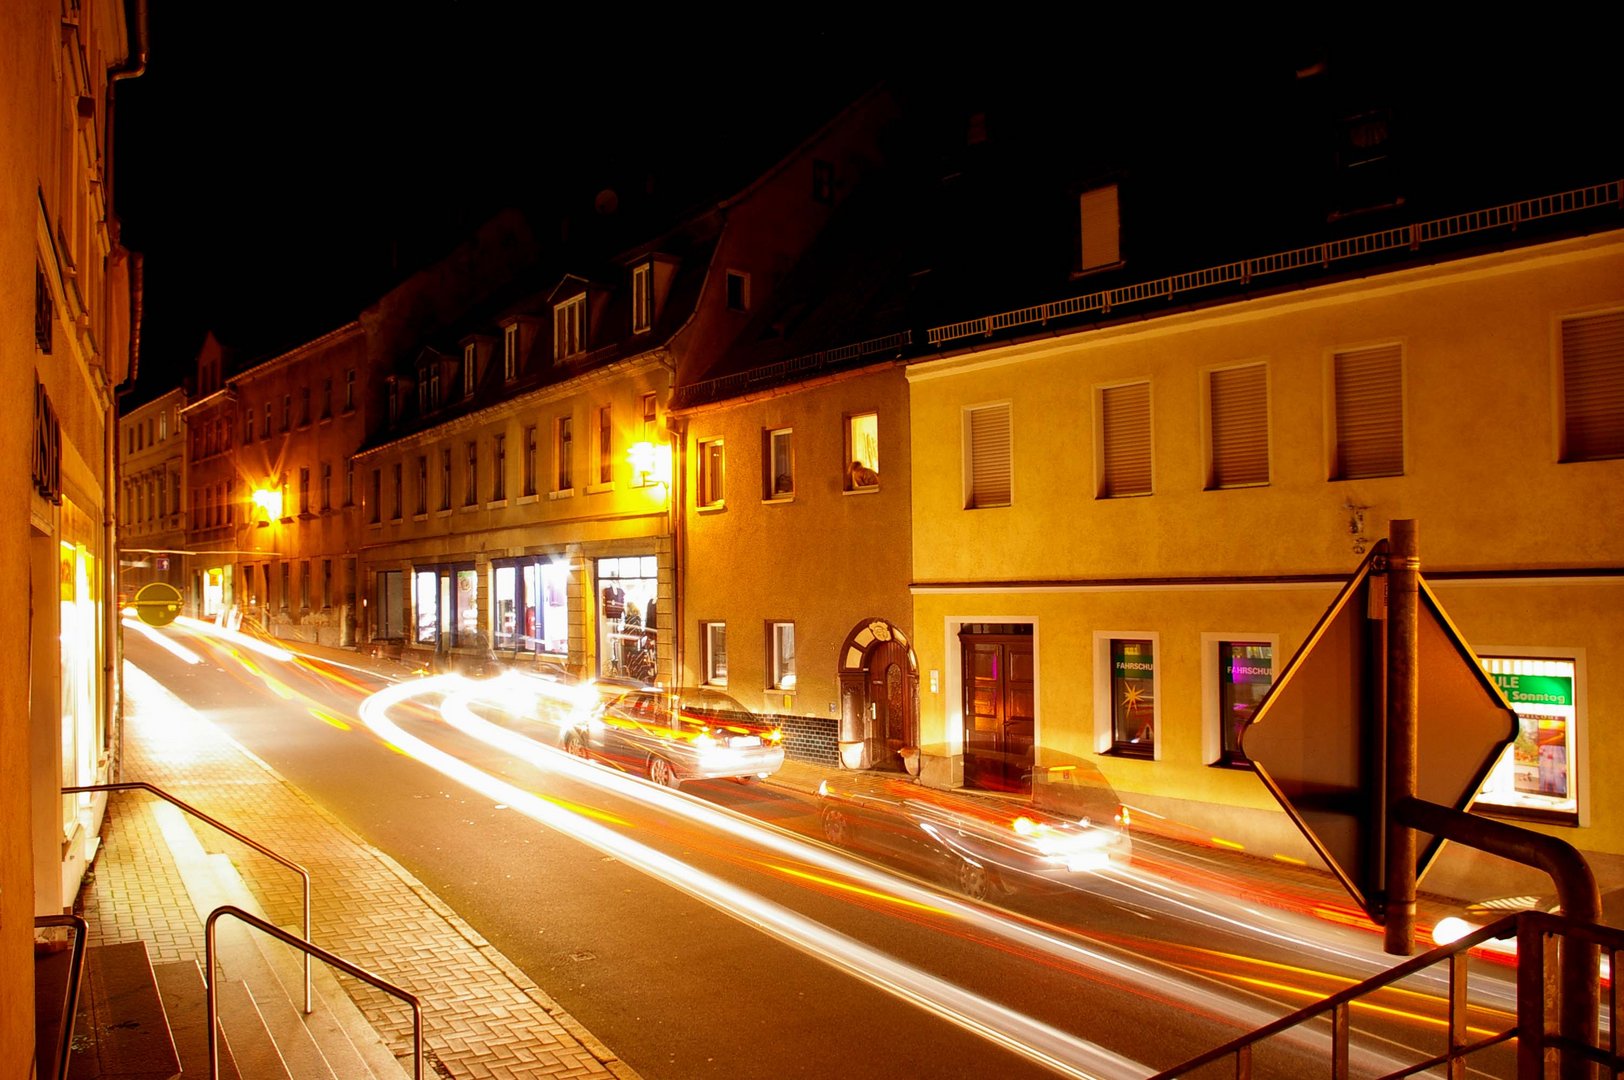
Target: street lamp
[270,501]
[651,463]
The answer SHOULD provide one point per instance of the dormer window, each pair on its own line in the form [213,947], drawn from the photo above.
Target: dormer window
[510,352]
[470,368]
[738,290]
[1100,235]
[569,327]
[642,298]
[394,402]
[428,388]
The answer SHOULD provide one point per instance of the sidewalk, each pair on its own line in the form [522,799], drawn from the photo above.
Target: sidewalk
[482,1017]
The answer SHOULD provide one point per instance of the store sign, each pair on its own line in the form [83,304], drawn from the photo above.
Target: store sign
[47,460]
[1534,689]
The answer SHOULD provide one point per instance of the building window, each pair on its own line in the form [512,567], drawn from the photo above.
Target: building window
[779,464]
[1368,413]
[349,389]
[823,183]
[713,644]
[529,605]
[422,484]
[1537,775]
[987,442]
[349,483]
[863,451]
[781,656]
[1124,439]
[163,426]
[1593,387]
[563,454]
[432,377]
[397,505]
[389,612]
[375,514]
[498,468]
[327,398]
[304,584]
[642,298]
[326,485]
[530,460]
[267,426]
[1100,229]
[426,606]
[327,583]
[445,478]
[304,491]
[1126,672]
[1238,426]
[44,311]
[710,489]
[738,290]
[510,352]
[605,446]
[569,327]
[469,371]
[1236,677]
[287,411]
[470,475]
[628,618]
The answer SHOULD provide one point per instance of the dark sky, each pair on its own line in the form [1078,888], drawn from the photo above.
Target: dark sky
[279,166]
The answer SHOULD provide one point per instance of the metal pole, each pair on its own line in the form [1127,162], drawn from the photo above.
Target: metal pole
[1403,692]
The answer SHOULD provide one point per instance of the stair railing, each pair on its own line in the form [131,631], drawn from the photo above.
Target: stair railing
[76,967]
[309,950]
[304,876]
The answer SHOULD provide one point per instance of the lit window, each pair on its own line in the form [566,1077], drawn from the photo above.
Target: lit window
[987,440]
[1537,775]
[1593,387]
[781,655]
[1369,413]
[711,465]
[779,470]
[569,327]
[642,298]
[863,452]
[713,639]
[1124,439]
[1243,672]
[1238,426]
[1127,715]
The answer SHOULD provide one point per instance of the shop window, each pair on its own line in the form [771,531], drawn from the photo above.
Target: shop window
[1368,413]
[987,443]
[1537,776]
[628,618]
[1593,387]
[779,464]
[1124,440]
[1126,709]
[863,452]
[711,489]
[713,646]
[1238,426]
[1236,676]
[529,605]
[781,656]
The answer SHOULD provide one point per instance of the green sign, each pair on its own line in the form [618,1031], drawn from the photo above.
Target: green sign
[1535,689]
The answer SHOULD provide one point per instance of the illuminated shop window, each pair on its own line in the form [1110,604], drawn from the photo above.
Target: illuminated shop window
[530,606]
[1245,673]
[1126,713]
[628,617]
[1537,775]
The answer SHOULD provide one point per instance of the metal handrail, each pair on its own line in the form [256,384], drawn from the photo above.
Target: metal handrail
[309,950]
[76,965]
[304,875]
[1529,927]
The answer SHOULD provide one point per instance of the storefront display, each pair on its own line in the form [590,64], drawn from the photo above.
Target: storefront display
[628,617]
[1536,773]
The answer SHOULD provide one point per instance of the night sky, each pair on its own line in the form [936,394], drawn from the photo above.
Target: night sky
[280,166]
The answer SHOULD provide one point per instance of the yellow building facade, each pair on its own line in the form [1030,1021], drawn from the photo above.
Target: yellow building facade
[1159,511]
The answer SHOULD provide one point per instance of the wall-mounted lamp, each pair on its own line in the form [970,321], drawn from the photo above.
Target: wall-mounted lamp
[650,462]
[270,501]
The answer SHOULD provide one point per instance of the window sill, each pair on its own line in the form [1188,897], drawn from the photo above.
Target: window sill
[444,511]
[1147,753]
[496,504]
[712,508]
[562,493]
[420,517]
[867,489]
[779,499]
[524,500]
[467,508]
[599,489]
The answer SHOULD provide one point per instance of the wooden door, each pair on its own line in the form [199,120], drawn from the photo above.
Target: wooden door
[999,705]
[891,697]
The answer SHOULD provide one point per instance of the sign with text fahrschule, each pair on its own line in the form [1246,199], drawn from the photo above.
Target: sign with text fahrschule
[1318,739]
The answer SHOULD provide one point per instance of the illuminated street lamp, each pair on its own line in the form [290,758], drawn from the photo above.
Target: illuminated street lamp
[270,501]
[651,463]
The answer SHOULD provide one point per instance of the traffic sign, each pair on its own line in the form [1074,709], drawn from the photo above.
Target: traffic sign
[1318,740]
[157,603]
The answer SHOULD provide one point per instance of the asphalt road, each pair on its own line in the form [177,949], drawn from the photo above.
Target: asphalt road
[711,933]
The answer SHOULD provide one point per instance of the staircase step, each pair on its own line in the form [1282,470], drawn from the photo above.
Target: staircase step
[52,964]
[185,997]
[121,1029]
[252,1048]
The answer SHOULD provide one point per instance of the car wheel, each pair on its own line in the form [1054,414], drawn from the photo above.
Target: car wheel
[574,744]
[661,772]
[975,881]
[837,827]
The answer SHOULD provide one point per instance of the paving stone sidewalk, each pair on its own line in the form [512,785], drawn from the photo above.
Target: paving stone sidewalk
[482,1017]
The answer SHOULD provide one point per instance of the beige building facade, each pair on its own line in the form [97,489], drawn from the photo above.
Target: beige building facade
[1146,521]
[152,481]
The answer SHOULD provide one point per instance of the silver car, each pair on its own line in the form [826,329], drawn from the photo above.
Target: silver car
[674,736]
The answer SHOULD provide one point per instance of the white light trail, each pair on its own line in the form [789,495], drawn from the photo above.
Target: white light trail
[178,650]
[208,629]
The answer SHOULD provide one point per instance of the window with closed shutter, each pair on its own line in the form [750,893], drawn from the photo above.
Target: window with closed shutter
[1100,237]
[989,456]
[1125,440]
[1369,413]
[1238,403]
[1593,387]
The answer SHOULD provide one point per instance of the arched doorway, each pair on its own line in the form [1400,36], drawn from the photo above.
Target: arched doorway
[879,696]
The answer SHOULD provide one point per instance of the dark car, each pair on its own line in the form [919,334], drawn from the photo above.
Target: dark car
[673,736]
[981,844]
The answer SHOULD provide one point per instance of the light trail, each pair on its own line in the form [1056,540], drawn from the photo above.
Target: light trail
[204,628]
[174,648]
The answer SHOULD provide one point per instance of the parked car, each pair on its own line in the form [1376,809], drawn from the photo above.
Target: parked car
[984,845]
[674,736]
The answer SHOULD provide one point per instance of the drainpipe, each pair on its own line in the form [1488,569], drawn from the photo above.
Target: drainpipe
[678,429]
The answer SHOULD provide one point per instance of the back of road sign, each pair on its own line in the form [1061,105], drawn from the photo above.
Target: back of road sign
[1318,740]
[157,603]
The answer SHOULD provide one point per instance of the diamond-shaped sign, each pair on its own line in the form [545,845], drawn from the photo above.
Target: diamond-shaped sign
[1318,739]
